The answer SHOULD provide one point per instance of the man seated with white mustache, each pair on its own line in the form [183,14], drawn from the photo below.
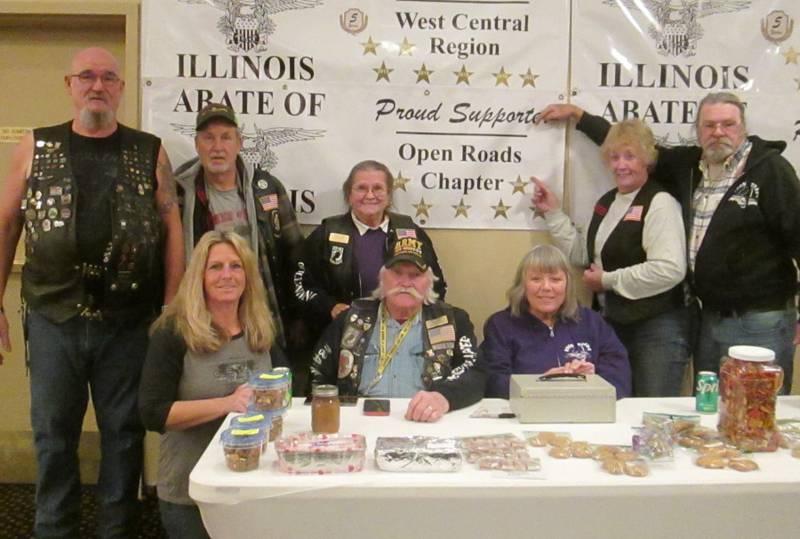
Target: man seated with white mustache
[403,342]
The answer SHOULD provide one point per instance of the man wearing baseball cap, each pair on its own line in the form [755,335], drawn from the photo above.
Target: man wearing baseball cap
[221,191]
[403,342]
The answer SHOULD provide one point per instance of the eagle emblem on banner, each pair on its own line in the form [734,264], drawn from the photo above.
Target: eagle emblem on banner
[246,24]
[673,24]
[257,144]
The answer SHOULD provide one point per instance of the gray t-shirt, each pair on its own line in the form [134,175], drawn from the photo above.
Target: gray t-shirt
[228,212]
[204,377]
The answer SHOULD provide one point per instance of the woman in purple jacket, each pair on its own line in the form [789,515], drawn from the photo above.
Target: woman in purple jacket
[544,330]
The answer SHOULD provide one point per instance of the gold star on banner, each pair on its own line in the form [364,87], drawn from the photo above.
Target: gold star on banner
[519,186]
[422,208]
[502,77]
[383,72]
[423,73]
[400,182]
[370,47]
[529,78]
[791,56]
[463,75]
[406,47]
[501,209]
[461,209]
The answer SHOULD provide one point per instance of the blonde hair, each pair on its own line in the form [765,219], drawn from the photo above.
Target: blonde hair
[633,133]
[547,259]
[188,314]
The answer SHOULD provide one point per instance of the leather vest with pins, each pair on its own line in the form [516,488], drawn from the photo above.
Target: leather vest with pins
[622,249]
[362,319]
[55,281]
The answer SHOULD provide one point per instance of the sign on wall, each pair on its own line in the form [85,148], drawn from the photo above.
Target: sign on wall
[442,92]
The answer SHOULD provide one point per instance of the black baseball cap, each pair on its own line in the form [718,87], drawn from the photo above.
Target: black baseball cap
[215,111]
[408,250]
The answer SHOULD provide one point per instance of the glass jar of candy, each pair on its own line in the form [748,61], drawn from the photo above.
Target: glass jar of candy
[325,409]
[749,381]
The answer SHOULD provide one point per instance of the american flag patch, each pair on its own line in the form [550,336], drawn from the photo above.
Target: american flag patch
[634,213]
[442,334]
[268,202]
[406,233]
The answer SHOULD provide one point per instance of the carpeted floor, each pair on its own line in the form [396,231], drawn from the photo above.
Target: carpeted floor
[17,510]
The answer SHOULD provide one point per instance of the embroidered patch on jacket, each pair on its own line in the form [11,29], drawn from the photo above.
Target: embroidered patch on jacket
[268,202]
[634,213]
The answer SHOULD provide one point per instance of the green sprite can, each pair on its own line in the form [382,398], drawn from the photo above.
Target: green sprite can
[287,372]
[707,392]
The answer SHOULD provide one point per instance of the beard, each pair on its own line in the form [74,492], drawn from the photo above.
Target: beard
[96,120]
[719,151]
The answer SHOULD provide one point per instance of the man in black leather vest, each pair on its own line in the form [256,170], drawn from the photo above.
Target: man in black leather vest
[103,252]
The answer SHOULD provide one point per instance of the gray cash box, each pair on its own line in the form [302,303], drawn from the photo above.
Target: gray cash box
[536,398]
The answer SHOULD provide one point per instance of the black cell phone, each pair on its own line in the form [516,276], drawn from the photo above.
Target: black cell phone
[344,400]
[376,407]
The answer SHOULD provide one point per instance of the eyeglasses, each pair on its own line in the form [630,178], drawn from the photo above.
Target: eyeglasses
[727,125]
[87,78]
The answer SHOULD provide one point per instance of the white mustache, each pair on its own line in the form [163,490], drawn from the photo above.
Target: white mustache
[405,290]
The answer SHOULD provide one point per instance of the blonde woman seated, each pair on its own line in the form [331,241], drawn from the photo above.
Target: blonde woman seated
[215,333]
[544,330]
[635,252]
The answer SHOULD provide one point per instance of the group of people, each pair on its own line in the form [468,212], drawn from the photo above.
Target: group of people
[692,237]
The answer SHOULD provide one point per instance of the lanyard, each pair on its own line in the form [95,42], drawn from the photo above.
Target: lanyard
[384,357]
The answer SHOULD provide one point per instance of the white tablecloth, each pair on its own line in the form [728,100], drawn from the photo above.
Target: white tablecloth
[568,498]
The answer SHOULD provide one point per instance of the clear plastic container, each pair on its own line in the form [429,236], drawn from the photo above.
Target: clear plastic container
[321,453]
[269,421]
[748,390]
[242,448]
[271,391]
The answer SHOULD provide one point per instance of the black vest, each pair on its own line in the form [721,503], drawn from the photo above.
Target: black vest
[54,279]
[342,273]
[361,321]
[622,249]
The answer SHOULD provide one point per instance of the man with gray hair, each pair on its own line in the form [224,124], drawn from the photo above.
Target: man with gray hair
[741,206]
[424,348]
[221,191]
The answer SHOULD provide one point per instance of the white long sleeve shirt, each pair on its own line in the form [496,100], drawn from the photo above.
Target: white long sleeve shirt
[663,240]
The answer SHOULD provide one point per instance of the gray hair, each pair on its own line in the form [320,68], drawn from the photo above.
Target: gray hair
[430,295]
[720,98]
[547,259]
[363,166]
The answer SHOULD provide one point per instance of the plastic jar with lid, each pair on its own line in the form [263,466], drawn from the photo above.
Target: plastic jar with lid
[242,448]
[270,391]
[325,409]
[749,381]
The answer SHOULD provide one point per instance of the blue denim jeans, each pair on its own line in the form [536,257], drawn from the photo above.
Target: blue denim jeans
[67,362]
[771,329]
[658,349]
[182,521]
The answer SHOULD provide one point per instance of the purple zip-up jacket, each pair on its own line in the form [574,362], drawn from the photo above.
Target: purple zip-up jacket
[525,345]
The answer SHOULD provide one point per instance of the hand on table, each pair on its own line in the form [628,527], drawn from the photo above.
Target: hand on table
[427,407]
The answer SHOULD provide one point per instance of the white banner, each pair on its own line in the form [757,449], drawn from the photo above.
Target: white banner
[663,56]
[443,92]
